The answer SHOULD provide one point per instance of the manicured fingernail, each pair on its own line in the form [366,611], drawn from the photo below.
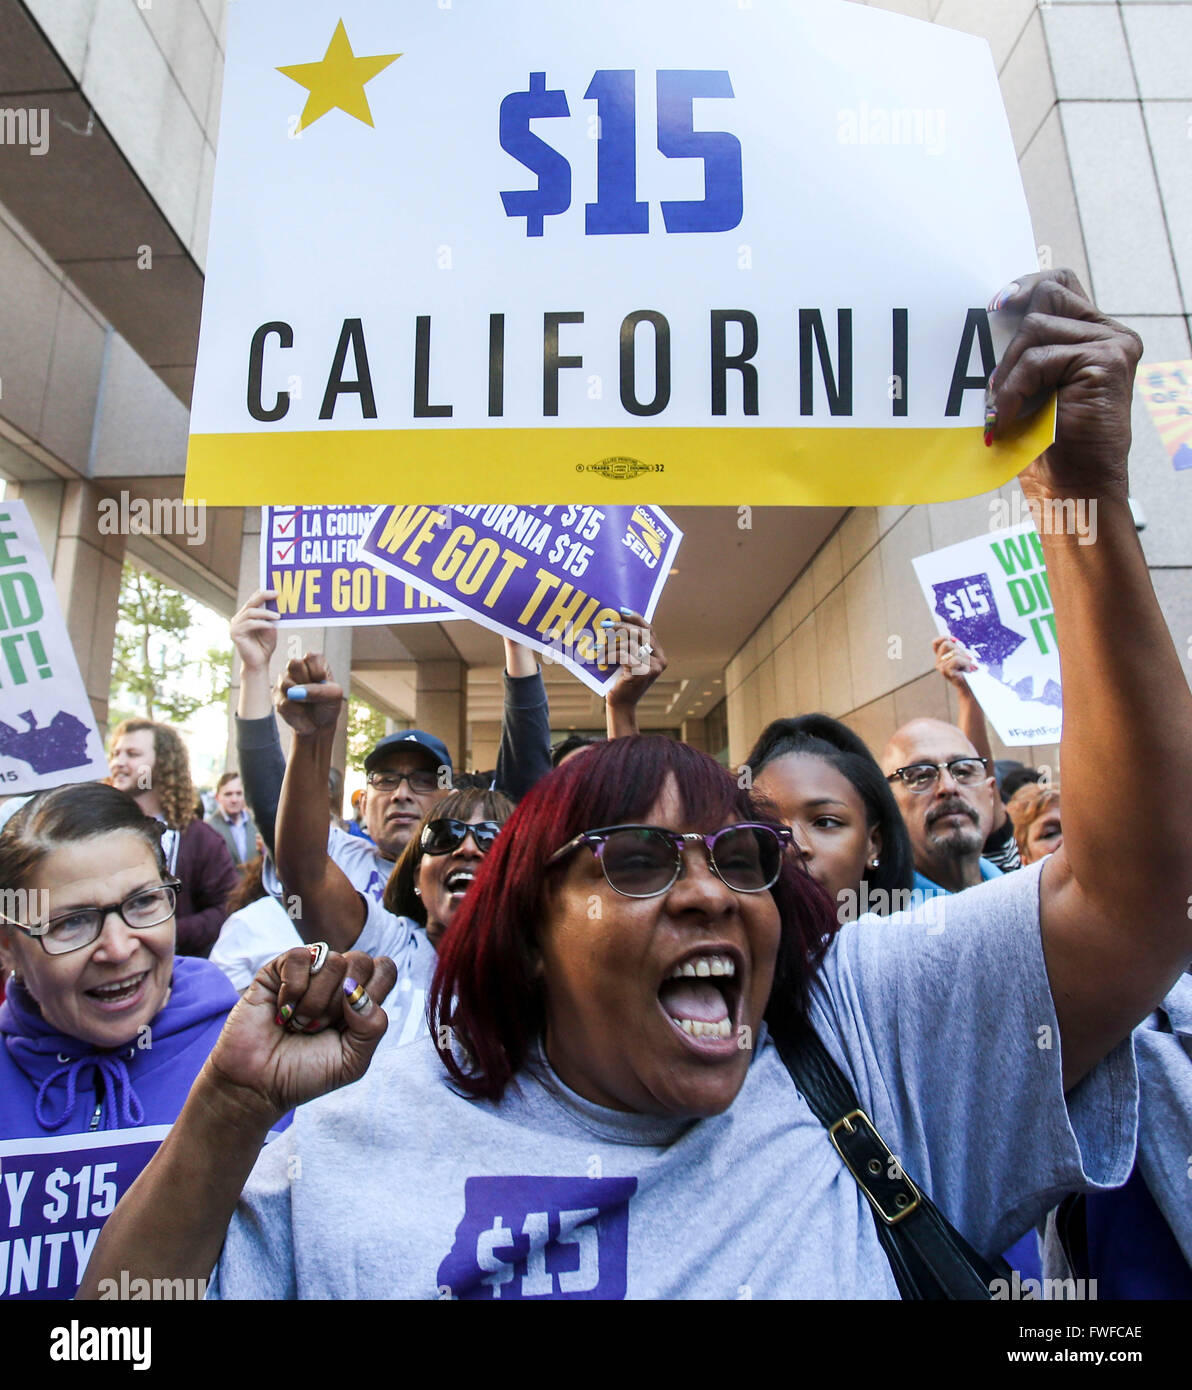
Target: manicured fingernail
[1003,297]
[284,1015]
[296,692]
[990,424]
[628,612]
[608,622]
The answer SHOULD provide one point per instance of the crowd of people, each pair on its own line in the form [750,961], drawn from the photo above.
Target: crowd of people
[590,1024]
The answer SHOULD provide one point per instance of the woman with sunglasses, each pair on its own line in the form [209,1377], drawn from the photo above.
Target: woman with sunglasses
[103,1028]
[439,865]
[599,1132]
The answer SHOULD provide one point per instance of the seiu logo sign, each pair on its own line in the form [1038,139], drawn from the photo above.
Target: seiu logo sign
[532,1237]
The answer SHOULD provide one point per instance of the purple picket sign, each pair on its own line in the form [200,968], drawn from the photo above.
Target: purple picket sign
[55,1196]
[308,555]
[545,576]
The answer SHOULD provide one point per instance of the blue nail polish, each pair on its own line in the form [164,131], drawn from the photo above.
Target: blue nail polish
[608,622]
[627,612]
[296,692]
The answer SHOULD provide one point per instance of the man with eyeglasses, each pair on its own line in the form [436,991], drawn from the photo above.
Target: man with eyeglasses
[945,791]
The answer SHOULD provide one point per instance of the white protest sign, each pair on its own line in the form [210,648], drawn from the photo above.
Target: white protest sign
[48,733]
[992,594]
[526,251]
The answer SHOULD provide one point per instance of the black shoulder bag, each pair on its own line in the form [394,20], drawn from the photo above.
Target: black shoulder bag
[930,1259]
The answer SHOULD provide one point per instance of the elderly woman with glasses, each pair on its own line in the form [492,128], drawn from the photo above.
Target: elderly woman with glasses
[103,1028]
[602,1108]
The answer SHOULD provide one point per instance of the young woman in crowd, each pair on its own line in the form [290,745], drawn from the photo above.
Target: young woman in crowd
[605,1000]
[826,785]
[103,1027]
[150,763]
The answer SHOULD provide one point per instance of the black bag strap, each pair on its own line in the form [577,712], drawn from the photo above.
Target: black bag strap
[929,1258]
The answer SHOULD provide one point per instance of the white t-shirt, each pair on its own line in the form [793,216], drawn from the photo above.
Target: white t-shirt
[251,938]
[365,867]
[409,1190]
[408,947]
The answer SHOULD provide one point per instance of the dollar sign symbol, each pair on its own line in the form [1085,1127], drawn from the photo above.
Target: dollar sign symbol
[487,1242]
[553,194]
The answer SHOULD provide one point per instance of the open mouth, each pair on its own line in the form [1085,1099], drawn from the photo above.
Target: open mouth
[119,992]
[702,997]
[458,881]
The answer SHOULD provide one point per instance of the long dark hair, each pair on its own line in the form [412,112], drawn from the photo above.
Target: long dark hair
[457,805]
[66,815]
[820,736]
[487,991]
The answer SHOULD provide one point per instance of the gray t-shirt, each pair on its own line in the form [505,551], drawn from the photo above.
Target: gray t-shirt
[396,1187]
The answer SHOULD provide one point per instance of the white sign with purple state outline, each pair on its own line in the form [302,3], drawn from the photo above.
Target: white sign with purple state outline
[992,594]
[48,733]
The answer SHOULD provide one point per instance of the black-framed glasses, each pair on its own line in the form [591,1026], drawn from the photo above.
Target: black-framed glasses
[922,777]
[443,836]
[71,931]
[421,783]
[642,861]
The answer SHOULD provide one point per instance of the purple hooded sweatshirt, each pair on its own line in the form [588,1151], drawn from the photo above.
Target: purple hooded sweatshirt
[78,1124]
[51,1084]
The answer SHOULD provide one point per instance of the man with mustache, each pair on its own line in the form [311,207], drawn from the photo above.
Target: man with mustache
[945,792]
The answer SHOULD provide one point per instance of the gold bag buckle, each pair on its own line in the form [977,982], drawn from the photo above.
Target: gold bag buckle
[906,1197]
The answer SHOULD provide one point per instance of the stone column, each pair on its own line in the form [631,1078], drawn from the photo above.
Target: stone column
[441,705]
[484,743]
[692,732]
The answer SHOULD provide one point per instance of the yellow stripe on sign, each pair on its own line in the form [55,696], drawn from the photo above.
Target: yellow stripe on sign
[697,467]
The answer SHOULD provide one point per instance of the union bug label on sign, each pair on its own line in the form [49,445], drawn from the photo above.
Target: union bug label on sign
[536,251]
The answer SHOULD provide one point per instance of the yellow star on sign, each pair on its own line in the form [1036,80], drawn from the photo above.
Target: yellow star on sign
[338,81]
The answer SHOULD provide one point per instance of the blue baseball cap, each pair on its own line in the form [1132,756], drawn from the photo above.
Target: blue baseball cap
[393,743]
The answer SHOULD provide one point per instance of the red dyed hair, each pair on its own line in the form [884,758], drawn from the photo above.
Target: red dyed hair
[486,990]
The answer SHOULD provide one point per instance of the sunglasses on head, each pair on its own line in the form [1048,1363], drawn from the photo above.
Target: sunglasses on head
[443,836]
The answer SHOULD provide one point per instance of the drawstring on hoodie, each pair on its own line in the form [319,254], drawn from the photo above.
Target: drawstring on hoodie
[118,1094]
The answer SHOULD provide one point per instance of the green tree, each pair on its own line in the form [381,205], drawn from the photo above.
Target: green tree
[149,659]
[366,727]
